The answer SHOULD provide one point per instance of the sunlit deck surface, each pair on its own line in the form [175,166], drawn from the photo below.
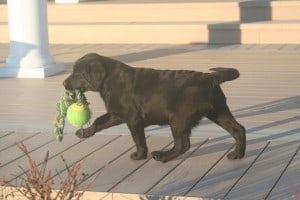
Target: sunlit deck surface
[265,99]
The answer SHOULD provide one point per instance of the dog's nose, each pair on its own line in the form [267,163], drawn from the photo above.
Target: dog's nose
[65,84]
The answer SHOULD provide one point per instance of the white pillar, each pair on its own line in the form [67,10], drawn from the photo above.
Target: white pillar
[28,31]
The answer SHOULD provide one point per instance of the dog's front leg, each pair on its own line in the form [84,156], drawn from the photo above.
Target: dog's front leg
[105,121]
[138,134]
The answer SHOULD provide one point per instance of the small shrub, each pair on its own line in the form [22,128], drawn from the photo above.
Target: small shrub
[38,182]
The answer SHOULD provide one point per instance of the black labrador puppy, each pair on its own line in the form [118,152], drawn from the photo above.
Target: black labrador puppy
[141,97]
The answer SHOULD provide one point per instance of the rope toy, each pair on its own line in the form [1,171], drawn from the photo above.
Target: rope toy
[74,106]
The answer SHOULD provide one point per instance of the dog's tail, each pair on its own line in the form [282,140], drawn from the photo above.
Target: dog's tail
[224,74]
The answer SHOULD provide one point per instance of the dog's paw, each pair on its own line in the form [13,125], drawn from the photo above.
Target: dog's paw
[138,156]
[235,155]
[158,156]
[84,133]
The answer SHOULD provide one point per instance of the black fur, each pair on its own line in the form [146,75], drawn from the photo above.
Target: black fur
[141,97]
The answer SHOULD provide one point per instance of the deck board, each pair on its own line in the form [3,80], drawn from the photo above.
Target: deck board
[105,156]
[204,171]
[13,153]
[265,99]
[179,181]
[57,148]
[288,186]
[82,151]
[4,134]
[9,140]
[223,177]
[65,149]
[261,177]
[136,183]
[114,174]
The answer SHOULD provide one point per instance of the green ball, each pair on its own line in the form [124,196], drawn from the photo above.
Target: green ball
[78,114]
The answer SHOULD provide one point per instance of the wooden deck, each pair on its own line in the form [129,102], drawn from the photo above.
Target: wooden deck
[265,99]
[270,169]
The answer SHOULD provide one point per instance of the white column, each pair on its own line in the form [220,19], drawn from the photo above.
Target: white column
[28,31]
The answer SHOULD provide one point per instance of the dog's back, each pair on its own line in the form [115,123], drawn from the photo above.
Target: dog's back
[153,79]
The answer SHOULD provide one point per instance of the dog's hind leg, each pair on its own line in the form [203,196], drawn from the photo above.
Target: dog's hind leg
[225,119]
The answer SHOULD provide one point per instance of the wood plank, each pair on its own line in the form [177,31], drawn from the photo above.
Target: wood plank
[14,153]
[288,187]
[274,116]
[97,160]
[4,134]
[122,196]
[179,181]
[221,178]
[143,179]
[81,151]
[123,167]
[258,67]
[84,150]
[10,139]
[12,170]
[260,178]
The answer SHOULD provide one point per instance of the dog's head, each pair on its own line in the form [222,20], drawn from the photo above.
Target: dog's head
[88,74]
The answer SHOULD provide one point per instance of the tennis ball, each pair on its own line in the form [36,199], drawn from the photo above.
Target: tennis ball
[78,114]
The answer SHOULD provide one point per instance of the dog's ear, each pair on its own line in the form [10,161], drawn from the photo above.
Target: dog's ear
[96,73]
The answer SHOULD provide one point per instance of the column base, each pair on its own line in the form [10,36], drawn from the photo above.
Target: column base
[42,72]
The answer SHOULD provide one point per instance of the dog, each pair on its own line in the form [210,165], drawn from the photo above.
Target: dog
[141,97]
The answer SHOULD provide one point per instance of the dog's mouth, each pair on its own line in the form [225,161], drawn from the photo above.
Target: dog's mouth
[66,85]
[82,90]
[78,82]
[70,88]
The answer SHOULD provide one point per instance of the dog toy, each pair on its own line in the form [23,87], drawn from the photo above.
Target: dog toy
[74,106]
[78,114]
